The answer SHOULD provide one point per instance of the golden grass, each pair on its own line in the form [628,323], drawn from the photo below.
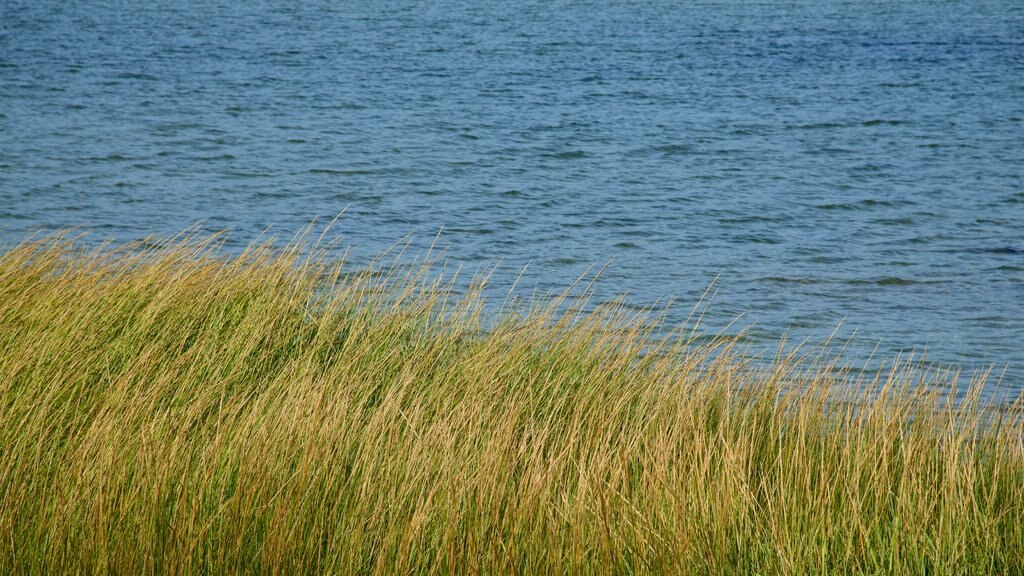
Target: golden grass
[167,409]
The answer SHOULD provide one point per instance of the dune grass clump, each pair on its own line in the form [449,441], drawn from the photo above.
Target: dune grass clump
[171,409]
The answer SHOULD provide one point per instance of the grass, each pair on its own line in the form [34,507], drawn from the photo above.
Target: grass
[169,409]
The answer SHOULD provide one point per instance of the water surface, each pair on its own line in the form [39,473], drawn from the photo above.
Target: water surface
[827,160]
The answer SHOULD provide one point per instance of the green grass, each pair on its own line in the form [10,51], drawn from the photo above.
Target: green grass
[168,409]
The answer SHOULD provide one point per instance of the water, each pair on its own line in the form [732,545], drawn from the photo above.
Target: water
[826,160]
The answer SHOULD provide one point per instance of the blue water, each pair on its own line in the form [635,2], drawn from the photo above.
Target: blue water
[829,161]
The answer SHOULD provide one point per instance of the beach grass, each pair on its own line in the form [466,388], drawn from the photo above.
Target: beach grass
[170,408]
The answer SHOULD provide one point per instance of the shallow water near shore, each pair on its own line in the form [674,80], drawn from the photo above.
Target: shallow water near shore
[828,162]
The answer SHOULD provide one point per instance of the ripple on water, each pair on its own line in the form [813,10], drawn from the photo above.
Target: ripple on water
[892,281]
[792,280]
[900,221]
[881,122]
[566,155]
[341,172]
[1000,250]
[816,126]
[864,204]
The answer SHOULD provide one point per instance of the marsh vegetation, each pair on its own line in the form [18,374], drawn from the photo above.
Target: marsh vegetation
[167,408]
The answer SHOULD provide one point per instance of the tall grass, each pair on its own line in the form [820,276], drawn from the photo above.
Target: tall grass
[170,409]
